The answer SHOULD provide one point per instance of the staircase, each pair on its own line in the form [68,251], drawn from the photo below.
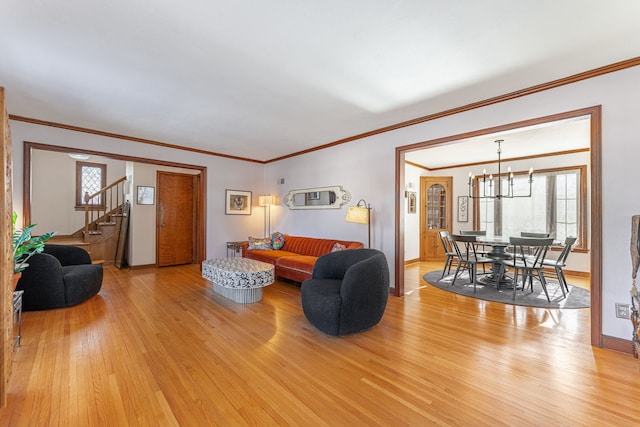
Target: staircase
[103,228]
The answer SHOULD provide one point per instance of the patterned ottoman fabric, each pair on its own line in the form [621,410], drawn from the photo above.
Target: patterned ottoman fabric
[239,279]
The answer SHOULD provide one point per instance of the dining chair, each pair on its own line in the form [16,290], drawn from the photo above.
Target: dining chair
[561,262]
[468,258]
[539,235]
[452,256]
[481,249]
[529,266]
[530,251]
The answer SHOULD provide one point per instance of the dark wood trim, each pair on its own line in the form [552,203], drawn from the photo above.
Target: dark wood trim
[26,183]
[596,227]
[60,148]
[126,138]
[633,62]
[596,203]
[202,223]
[617,344]
[202,186]
[407,162]
[398,288]
[510,159]
[495,100]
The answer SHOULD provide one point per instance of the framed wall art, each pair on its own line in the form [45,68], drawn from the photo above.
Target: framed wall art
[237,202]
[146,195]
[463,209]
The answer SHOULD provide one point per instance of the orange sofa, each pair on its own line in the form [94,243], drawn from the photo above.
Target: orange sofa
[298,255]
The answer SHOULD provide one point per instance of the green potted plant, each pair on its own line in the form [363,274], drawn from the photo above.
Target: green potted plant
[25,245]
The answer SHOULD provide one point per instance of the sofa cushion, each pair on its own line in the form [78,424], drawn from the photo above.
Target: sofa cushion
[338,247]
[269,256]
[303,263]
[313,246]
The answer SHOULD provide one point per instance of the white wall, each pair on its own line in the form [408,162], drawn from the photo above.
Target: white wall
[412,175]
[53,206]
[222,173]
[366,167]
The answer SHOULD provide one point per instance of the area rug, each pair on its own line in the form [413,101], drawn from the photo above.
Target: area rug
[576,298]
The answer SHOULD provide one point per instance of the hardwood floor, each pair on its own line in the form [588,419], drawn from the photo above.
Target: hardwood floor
[158,347]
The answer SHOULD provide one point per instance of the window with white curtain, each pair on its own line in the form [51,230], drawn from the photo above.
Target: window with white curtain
[555,206]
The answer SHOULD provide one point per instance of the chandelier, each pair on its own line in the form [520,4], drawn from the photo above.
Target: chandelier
[488,182]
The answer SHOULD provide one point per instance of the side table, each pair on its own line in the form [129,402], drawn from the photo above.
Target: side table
[17,316]
[234,249]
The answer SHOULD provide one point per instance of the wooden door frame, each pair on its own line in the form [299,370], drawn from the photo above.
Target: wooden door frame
[201,220]
[595,246]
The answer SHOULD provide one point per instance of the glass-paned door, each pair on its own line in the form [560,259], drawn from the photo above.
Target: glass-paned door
[436,216]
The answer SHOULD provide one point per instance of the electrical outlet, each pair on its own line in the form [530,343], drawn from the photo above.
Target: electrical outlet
[623,311]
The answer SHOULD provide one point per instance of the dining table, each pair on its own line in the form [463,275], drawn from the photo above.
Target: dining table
[498,277]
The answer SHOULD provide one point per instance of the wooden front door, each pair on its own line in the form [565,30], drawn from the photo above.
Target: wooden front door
[176,219]
[435,215]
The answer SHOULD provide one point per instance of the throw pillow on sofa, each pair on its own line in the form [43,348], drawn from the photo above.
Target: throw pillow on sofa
[264,244]
[277,240]
[338,247]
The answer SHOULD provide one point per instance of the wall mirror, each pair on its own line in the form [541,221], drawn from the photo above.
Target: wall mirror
[317,198]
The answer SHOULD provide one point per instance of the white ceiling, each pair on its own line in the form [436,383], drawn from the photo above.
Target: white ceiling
[551,137]
[263,79]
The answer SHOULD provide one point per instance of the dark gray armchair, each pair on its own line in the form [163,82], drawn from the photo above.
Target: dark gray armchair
[60,276]
[347,292]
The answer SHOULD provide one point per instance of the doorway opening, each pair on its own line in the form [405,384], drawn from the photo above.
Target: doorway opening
[199,191]
[446,144]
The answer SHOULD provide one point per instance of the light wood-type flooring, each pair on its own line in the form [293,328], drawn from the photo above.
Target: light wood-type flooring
[157,347]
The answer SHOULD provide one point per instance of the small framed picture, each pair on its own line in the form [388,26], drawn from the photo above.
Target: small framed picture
[463,209]
[237,202]
[146,195]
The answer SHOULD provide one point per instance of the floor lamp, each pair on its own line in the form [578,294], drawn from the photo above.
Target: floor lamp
[266,201]
[360,214]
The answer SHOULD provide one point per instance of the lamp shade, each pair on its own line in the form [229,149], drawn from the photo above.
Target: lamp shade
[357,214]
[265,200]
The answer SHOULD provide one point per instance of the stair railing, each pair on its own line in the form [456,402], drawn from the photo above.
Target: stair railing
[103,203]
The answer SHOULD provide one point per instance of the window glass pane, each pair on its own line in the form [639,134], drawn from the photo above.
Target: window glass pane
[531,213]
[572,186]
[526,213]
[90,178]
[91,182]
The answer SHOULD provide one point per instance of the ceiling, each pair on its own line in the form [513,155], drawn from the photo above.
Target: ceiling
[260,80]
[541,139]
